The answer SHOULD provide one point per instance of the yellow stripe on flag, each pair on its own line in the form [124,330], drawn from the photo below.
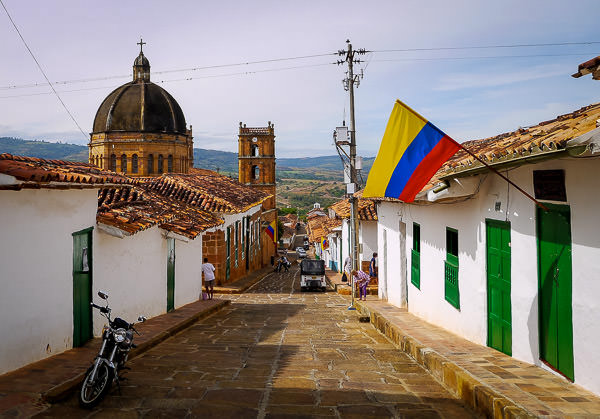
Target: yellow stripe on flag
[403,126]
[274,225]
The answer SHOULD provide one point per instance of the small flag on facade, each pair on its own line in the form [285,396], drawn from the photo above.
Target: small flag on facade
[324,243]
[412,150]
[272,230]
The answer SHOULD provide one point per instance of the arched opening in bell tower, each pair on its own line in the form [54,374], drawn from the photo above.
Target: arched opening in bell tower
[255,173]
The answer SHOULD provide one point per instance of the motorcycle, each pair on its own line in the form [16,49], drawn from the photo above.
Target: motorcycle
[117,341]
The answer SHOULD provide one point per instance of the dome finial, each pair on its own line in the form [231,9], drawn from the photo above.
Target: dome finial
[141,65]
[141,44]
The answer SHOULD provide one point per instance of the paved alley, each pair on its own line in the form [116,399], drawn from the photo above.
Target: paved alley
[276,352]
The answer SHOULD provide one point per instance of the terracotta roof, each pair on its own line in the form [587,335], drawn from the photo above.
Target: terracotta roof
[134,209]
[367,210]
[590,66]
[207,190]
[31,172]
[543,139]
[320,226]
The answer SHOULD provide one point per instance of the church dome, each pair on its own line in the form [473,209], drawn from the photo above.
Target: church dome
[140,106]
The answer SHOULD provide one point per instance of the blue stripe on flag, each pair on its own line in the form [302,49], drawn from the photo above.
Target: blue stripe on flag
[420,147]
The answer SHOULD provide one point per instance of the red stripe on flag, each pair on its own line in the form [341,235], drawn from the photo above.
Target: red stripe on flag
[442,151]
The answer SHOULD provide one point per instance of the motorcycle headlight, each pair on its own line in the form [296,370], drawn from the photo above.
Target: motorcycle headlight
[120,335]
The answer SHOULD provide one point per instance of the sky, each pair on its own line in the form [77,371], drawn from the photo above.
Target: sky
[469,93]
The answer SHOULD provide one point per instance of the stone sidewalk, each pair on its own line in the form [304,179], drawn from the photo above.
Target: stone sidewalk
[491,382]
[28,390]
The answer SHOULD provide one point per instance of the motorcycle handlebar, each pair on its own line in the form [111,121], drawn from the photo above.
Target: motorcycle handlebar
[102,309]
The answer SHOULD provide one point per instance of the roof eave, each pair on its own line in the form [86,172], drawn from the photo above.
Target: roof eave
[505,163]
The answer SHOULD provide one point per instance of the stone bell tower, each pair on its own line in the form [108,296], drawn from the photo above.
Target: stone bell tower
[256,160]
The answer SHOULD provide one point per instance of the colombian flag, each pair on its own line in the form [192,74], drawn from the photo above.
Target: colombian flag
[324,243]
[412,150]
[272,230]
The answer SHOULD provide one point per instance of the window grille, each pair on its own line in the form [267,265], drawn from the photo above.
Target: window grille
[451,290]
[415,270]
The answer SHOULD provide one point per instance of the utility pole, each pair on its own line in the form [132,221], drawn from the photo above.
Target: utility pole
[351,188]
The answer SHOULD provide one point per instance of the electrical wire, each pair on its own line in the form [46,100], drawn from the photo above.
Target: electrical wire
[557,44]
[241,73]
[244,63]
[42,70]
[208,67]
[483,57]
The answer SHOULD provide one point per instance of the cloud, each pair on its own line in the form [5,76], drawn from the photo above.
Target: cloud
[501,77]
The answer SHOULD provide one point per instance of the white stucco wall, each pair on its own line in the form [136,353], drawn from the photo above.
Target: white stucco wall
[368,239]
[188,271]
[468,217]
[133,271]
[36,265]
[391,266]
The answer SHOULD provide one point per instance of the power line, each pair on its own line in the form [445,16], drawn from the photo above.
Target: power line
[241,73]
[40,67]
[483,57]
[244,63]
[209,67]
[557,44]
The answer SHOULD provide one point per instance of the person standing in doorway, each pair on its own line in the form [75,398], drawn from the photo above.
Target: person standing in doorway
[373,266]
[209,277]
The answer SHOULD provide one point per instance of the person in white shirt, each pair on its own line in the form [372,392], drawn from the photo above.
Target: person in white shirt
[347,268]
[209,277]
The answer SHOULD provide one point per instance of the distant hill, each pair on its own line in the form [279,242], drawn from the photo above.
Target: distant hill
[318,168]
[43,149]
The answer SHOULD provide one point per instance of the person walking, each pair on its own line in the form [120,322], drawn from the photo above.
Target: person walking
[209,277]
[361,279]
[347,269]
[373,266]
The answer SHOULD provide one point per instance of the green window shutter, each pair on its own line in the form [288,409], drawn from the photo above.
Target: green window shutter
[451,292]
[415,271]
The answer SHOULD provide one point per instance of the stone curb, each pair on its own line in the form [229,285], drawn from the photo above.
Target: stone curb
[477,395]
[226,290]
[64,389]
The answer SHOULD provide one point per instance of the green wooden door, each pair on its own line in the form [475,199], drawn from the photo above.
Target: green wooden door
[228,260]
[498,286]
[555,288]
[82,287]
[170,274]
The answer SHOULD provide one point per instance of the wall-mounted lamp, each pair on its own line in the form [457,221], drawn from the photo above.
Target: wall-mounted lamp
[441,187]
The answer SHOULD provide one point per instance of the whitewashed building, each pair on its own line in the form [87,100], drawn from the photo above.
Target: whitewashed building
[59,247]
[47,218]
[367,230]
[477,257]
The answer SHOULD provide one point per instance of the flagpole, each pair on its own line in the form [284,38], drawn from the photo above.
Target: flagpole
[538,203]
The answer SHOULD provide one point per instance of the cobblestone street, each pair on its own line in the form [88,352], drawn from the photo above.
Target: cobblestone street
[276,352]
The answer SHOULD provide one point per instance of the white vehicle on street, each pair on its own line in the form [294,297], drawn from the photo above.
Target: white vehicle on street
[301,252]
[312,275]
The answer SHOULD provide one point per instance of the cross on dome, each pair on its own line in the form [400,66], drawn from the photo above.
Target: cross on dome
[141,44]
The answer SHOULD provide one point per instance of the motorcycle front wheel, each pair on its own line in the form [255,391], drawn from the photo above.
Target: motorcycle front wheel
[92,392]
